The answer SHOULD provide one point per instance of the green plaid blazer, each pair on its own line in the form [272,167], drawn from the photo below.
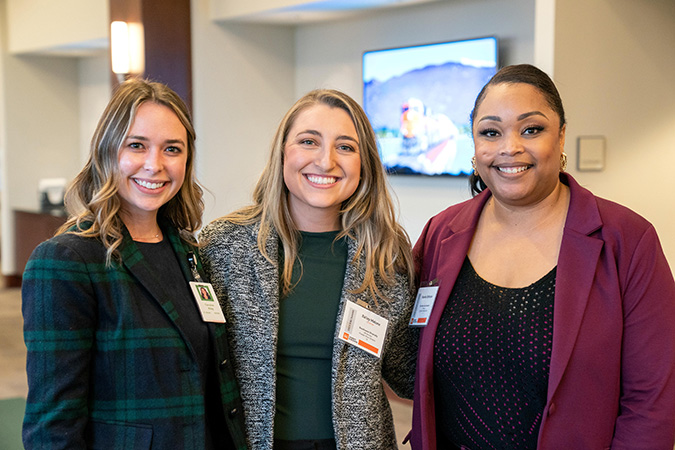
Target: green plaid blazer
[108,365]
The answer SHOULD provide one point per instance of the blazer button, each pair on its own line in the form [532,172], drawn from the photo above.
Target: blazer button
[233,412]
[224,362]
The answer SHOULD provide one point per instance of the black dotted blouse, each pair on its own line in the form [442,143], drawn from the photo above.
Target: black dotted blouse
[491,363]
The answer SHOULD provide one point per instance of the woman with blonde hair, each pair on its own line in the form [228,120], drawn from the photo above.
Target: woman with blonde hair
[120,354]
[319,242]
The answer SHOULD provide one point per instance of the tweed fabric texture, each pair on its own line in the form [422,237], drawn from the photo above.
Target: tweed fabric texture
[108,365]
[248,286]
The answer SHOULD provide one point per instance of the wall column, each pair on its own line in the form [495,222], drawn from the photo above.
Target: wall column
[167,43]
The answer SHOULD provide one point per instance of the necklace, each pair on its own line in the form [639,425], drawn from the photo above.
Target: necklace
[148,239]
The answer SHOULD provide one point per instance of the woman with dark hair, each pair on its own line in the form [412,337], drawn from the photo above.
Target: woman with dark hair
[554,318]
[121,352]
[316,258]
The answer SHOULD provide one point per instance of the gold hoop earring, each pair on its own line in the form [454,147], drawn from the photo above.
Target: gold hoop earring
[473,165]
[563,162]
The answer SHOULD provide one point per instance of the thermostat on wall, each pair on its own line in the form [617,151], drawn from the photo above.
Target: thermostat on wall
[591,153]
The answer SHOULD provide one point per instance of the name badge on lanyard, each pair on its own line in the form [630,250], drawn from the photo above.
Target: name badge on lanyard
[208,304]
[205,296]
[363,328]
[424,303]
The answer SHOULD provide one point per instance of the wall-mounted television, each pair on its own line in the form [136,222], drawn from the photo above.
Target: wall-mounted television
[419,100]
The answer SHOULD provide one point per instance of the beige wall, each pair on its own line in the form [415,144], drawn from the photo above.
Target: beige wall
[63,25]
[47,98]
[4,197]
[93,95]
[615,66]
[329,55]
[612,59]
[243,83]
[41,134]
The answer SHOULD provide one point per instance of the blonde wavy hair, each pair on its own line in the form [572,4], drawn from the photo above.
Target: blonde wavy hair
[91,199]
[368,216]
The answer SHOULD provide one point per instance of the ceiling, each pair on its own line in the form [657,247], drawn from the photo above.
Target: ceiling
[317,11]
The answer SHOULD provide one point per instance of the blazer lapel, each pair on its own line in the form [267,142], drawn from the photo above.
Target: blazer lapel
[579,256]
[455,240]
[268,276]
[133,260]
[448,262]
[267,304]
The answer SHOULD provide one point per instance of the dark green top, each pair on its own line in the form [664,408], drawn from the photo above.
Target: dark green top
[307,323]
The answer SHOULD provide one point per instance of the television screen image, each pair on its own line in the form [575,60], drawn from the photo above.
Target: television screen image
[419,100]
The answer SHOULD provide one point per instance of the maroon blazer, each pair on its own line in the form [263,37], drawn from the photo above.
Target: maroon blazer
[612,375]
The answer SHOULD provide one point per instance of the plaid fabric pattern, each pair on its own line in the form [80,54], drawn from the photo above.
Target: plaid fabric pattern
[108,365]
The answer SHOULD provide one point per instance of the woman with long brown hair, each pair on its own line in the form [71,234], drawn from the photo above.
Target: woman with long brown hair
[319,243]
[120,354]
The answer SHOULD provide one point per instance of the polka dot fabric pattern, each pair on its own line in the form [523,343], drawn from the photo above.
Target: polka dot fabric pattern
[491,362]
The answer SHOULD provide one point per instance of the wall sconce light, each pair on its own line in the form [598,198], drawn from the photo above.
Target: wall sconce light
[127,48]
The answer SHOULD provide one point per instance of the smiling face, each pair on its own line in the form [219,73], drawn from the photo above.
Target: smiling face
[152,162]
[322,166]
[518,143]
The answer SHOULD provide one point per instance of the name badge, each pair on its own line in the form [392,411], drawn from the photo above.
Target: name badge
[363,328]
[424,303]
[208,304]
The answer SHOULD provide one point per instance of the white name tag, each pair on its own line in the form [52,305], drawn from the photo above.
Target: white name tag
[424,303]
[208,304]
[363,329]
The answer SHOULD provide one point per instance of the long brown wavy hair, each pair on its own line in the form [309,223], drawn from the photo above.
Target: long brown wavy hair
[368,216]
[92,200]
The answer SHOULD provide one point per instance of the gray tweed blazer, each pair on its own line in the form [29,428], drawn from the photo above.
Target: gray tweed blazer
[247,285]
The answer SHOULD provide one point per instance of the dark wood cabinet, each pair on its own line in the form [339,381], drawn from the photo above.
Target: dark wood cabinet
[31,228]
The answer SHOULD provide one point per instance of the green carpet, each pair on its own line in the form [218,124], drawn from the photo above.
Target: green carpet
[11,417]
